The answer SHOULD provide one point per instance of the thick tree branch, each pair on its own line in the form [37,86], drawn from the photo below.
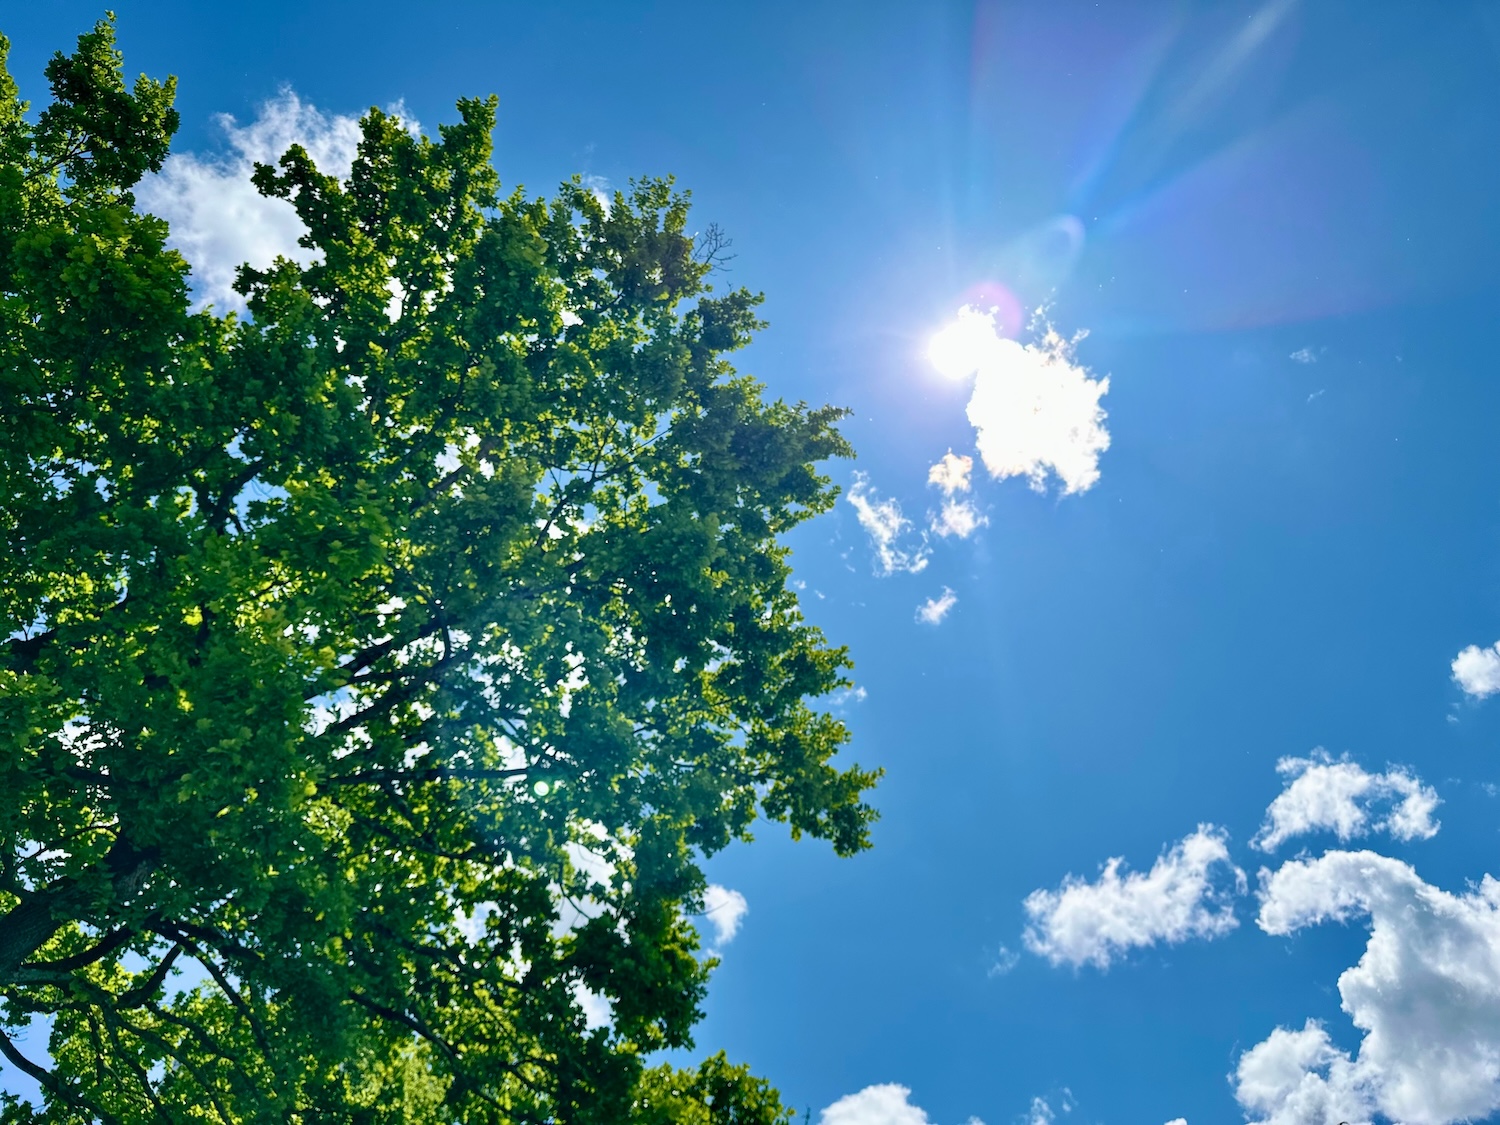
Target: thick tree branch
[28,926]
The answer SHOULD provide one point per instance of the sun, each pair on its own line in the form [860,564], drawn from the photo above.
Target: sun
[966,345]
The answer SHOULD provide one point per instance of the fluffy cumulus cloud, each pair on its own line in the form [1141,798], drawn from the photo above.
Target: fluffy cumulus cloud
[1426,995]
[1187,894]
[887,1104]
[886,527]
[218,218]
[1035,411]
[724,909]
[933,610]
[1477,670]
[1300,1078]
[951,473]
[958,517]
[1325,795]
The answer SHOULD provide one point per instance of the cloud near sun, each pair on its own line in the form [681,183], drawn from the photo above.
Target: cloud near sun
[1035,411]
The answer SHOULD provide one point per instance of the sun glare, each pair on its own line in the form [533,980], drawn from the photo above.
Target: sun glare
[963,347]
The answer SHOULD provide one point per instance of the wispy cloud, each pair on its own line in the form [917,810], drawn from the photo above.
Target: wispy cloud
[1426,994]
[1006,959]
[1327,795]
[1035,410]
[1187,894]
[1305,355]
[1041,1111]
[933,610]
[1477,670]
[886,526]
[843,697]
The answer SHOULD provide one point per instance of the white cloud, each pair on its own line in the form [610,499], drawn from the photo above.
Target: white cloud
[1186,894]
[883,520]
[1006,959]
[1040,1113]
[218,218]
[1324,795]
[591,860]
[725,909]
[959,518]
[933,610]
[845,696]
[1304,355]
[887,1104]
[1178,1121]
[597,1010]
[1477,670]
[951,473]
[1426,994]
[601,189]
[1300,1078]
[1035,411]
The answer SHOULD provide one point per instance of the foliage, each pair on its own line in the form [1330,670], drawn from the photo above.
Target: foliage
[382,666]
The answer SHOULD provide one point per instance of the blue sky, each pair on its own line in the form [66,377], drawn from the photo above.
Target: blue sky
[1274,223]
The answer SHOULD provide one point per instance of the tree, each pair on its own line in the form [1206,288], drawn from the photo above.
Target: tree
[382,666]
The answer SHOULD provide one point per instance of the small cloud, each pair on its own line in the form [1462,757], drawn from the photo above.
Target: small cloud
[724,909]
[951,473]
[1305,355]
[845,696]
[1317,394]
[1327,795]
[959,518]
[1005,960]
[933,610]
[886,1104]
[600,188]
[884,523]
[1040,1113]
[1477,670]
[1178,1121]
[1187,893]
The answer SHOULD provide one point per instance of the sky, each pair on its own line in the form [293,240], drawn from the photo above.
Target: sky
[1170,562]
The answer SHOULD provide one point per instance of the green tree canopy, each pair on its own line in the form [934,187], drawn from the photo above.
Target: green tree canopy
[381,667]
